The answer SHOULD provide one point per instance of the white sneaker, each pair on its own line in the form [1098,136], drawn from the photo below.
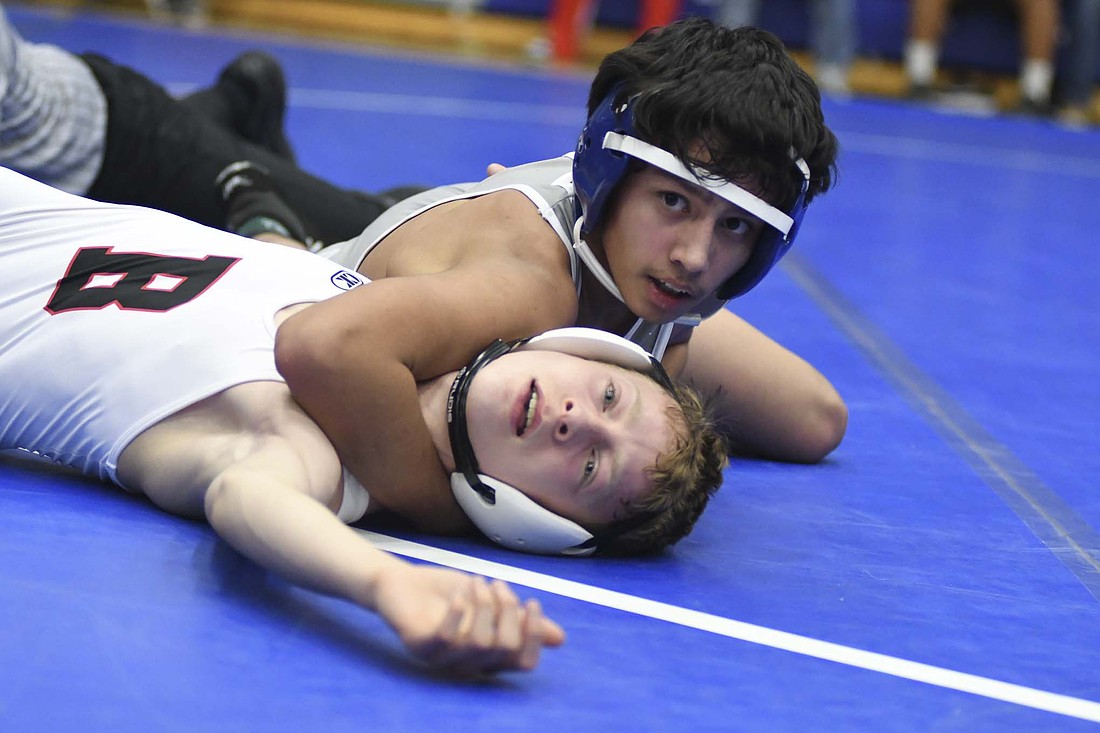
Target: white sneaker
[833,80]
[188,13]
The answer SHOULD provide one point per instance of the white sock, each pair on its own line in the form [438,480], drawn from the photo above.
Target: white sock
[832,78]
[1036,77]
[920,62]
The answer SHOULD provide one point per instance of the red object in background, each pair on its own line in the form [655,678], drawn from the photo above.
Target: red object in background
[657,12]
[571,20]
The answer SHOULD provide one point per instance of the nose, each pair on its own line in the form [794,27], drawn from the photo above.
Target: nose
[576,421]
[691,251]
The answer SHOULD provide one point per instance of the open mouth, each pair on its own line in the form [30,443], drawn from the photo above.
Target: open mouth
[529,413]
[670,290]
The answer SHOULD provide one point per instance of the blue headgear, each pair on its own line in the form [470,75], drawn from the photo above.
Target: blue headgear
[503,513]
[604,149]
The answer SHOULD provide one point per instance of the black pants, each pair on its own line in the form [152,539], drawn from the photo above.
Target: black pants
[161,154]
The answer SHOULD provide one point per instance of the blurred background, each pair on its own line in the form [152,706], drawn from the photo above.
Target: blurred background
[981,48]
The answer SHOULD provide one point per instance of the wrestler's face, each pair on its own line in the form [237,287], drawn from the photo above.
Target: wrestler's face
[577,436]
[669,243]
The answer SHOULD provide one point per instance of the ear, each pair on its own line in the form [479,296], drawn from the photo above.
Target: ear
[518,523]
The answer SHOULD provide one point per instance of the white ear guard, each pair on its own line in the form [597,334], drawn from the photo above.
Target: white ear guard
[516,522]
[590,343]
[503,513]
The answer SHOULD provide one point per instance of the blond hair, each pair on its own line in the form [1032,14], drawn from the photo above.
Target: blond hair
[684,479]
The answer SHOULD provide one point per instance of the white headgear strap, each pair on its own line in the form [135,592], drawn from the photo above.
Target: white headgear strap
[727,190]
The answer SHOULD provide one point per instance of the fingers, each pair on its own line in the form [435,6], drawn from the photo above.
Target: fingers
[509,619]
[552,634]
[495,640]
[482,631]
[485,629]
[532,624]
[435,647]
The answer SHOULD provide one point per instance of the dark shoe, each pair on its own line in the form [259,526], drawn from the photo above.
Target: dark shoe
[1033,108]
[253,206]
[250,99]
[921,93]
[1074,116]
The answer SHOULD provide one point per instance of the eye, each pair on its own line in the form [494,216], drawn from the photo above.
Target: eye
[609,395]
[737,225]
[674,200]
[590,466]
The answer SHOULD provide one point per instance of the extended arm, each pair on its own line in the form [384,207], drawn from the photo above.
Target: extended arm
[271,492]
[445,618]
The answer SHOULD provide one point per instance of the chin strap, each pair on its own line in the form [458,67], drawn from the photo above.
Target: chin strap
[461,448]
[588,257]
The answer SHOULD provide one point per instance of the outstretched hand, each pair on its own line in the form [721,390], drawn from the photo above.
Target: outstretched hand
[462,623]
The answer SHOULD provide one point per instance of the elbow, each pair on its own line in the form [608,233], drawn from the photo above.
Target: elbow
[220,505]
[825,428]
[300,352]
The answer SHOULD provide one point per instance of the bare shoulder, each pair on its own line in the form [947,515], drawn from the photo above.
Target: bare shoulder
[175,460]
[500,224]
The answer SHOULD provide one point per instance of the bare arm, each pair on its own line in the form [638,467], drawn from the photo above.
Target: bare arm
[251,462]
[263,508]
[770,402]
[353,361]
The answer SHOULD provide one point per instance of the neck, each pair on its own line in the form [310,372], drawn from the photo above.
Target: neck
[598,308]
[433,406]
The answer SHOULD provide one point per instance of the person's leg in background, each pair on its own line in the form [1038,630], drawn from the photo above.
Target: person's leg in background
[188,13]
[834,38]
[927,23]
[1039,22]
[1083,55]
[736,13]
[53,115]
[654,13]
[165,155]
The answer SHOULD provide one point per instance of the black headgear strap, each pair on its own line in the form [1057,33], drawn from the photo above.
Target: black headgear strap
[465,460]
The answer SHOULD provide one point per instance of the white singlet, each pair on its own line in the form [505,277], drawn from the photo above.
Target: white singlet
[115,317]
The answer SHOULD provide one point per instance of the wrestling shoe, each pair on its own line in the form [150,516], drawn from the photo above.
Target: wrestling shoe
[1027,107]
[253,206]
[250,99]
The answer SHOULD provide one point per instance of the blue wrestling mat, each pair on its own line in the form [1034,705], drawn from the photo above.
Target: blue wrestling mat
[939,572]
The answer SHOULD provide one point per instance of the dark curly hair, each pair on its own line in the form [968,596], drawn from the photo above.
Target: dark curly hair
[731,96]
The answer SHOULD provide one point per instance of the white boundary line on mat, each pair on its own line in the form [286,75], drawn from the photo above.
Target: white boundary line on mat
[1007,692]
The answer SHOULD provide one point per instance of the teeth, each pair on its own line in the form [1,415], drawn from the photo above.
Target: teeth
[665,286]
[532,403]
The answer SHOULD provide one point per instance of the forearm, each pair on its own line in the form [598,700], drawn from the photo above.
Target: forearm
[396,461]
[353,363]
[368,406]
[768,401]
[295,536]
[447,619]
